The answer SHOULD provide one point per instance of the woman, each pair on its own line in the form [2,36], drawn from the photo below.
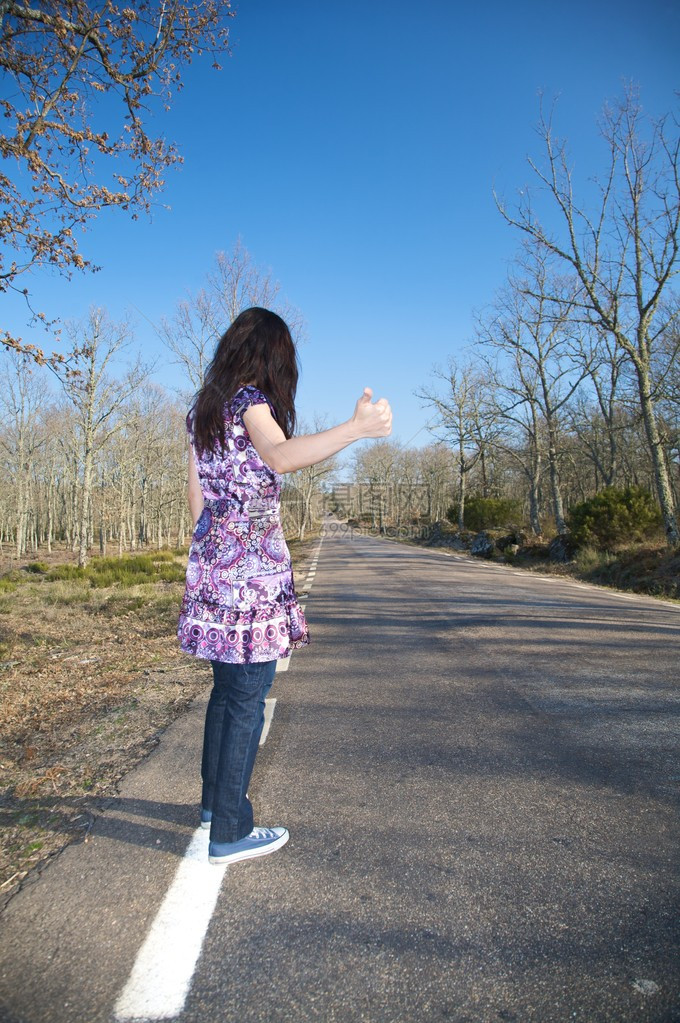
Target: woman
[239,609]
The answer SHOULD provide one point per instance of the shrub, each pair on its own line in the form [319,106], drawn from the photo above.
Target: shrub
[614,518]
[66,572]
[38,566]
[130,570]
[589,560]
[487,513]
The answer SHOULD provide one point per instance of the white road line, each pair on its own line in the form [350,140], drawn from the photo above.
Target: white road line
[159,983]
[268,715]
[161,976]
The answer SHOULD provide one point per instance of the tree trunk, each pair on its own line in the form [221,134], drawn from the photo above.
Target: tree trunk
[143,529]
[613,467]
[482,462]
[663,484]
[102,529]
[85,507]
[558,505]
[461,492]
[535,493]
[50,514]
[132,517]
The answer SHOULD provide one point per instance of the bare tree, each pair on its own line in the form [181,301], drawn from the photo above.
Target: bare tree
[23,402]
[236,283]
[624,251]
[303,487]
[97,399]
[84,76]
[465,417]
[53,425]
[191,336]
[598,416]
[408,479]
[437,471]
[518,407]
[374,466]
[667,392]
[533,327]
[233,284]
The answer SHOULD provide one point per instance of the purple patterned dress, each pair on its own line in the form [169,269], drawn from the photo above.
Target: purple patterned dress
[239,604]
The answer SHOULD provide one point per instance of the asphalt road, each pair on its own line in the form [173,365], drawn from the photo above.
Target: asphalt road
[479,770]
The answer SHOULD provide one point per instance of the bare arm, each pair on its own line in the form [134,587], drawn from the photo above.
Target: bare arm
[195,492]
[370,419]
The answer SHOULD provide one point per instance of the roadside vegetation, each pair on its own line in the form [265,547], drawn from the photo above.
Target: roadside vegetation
[567,392]
[614,539]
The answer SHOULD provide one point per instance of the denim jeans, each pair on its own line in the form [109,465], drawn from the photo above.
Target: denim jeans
[233,726]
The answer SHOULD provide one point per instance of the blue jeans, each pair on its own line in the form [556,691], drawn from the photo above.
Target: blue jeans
[233,726]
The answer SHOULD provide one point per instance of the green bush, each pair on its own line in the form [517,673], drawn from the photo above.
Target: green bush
[129,570]
[66,572]
[39,567]
[487,513]
[614,518]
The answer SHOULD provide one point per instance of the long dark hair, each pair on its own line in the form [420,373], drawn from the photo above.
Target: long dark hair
[256,349]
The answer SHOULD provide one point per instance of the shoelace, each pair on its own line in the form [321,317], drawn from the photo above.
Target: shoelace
[261,833]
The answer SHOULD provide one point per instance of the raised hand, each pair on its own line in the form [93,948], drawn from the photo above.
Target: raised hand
[372,419]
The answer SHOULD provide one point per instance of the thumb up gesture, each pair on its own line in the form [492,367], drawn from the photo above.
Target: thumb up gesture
[372,419]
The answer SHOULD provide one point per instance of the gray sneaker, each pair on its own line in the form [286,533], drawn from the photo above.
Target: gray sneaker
[259,842]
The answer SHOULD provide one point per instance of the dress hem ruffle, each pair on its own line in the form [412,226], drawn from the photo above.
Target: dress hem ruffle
[242,637]
[240,655]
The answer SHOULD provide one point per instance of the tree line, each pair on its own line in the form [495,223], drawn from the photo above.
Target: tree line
[570,384]
[94,457]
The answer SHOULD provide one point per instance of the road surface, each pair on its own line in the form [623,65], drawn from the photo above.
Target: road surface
[479,770]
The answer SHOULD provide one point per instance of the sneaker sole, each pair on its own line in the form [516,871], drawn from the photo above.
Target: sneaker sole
[249,854]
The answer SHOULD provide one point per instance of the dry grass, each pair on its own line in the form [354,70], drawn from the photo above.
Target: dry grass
[645,568]
[90,676]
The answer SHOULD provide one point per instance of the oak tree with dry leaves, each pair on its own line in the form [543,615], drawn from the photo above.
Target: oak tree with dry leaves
[79,82]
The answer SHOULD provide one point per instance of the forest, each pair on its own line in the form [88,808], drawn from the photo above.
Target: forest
[568,388]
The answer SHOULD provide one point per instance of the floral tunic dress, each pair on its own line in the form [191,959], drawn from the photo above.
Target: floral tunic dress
[239,603]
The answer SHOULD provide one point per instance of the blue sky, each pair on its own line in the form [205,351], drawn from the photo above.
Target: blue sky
[354,148]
